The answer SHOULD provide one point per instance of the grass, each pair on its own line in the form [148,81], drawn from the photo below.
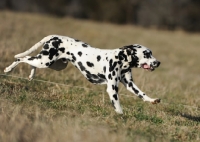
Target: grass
[42,111]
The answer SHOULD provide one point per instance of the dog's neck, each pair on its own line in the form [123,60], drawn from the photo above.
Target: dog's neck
[128,58]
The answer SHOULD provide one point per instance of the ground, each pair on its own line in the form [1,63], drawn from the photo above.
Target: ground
[76,110]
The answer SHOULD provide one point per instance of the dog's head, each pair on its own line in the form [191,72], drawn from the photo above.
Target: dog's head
[140,57]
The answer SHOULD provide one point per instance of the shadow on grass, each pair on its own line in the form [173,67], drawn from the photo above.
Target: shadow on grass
[190,117]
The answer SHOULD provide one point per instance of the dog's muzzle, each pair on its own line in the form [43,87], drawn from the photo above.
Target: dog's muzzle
[151,67]
[154,65]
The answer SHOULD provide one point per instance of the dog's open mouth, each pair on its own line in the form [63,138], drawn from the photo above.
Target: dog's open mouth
[147,67]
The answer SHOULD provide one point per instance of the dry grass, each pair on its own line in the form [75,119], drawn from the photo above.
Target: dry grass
[37,111]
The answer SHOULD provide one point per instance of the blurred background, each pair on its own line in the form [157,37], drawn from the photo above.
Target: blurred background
[161,14]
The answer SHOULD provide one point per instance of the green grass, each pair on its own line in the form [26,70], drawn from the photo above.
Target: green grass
[76,110]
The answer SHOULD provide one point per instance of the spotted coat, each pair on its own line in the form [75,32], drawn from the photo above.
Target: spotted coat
[99,66]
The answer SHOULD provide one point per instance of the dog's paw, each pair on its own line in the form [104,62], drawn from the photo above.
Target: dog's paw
[7,70]
[30,78]
[156,101]
[119,111]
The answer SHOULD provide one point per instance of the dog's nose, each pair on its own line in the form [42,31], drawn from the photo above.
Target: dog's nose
[156,63]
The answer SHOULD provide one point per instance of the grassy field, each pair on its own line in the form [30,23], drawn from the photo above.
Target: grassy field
[76,110]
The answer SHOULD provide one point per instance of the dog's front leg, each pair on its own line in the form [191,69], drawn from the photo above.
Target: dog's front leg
[129,84]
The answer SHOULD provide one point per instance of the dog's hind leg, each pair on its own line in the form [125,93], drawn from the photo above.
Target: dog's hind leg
[12,66]
[32,73]
[33,61]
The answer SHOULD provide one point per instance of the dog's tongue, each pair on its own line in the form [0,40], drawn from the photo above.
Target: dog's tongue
[145,66]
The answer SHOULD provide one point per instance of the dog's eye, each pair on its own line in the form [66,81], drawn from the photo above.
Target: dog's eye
[147,54]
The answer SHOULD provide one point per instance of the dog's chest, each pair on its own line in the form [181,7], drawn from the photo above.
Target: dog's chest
[92,63]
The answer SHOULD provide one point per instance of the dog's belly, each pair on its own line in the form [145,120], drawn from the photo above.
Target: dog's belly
[96,79]
[94,75]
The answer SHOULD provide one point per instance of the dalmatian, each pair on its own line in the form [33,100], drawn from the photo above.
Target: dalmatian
[99,66]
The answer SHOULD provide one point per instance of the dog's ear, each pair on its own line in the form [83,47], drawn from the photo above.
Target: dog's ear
[126,52]
[129,49]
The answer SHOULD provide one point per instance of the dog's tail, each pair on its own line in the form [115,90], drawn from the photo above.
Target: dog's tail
[33,48]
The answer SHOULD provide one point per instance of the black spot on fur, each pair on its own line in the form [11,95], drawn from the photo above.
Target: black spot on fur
[81,66]
[79,53]
[96,81]
[47,64]
[130,84]
[147,54]
[101,76]
[54,38]
[77,40]
[31,58]
[125,80]
[112,65]
[56,41]
[55,44]
[84,45]
[52,53]
[43,52]
[125,70]
[115,96]
[62,49]
[90,64]
[46,46]
[109,76]
[116,88]
[135,90]
[134,62]
[123,56]
[73,57]
[39,56]
[93,78]
[68,53]
[113,73]
[119,62]
[98,58]
[113,87]
[128,52]
[104,69]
